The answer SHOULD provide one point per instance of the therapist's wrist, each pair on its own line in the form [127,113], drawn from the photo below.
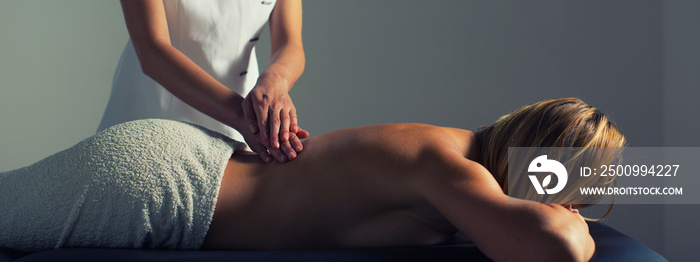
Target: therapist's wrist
[232,114]
[276,76]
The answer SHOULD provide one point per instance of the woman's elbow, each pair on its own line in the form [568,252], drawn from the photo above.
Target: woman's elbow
[569,242]
[570,250]
[554,252]
[580,248]
[564,236]
[569,232]
[546,245]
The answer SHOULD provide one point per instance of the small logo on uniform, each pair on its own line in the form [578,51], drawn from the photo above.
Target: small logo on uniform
[542,164]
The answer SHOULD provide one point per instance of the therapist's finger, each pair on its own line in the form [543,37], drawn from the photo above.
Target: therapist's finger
[284,125]
[261,150]
[293,125]
[302,133]
[289,152]
[279,155]
[275,126]
[295,143]
[261,111]
[249,114]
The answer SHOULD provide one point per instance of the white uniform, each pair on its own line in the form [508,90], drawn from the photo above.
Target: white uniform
[218,35]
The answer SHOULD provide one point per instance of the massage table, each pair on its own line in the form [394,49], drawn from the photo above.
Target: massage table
[611,245]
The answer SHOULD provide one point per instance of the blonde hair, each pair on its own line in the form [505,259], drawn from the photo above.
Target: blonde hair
[559,123]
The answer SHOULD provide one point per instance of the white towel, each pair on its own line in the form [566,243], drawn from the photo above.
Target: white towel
[142,184]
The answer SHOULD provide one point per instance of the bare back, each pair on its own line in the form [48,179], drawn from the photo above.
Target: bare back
[350,188]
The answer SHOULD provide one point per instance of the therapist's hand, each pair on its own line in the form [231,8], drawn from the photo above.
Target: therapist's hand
[270,112]
[271,116]
[288,150]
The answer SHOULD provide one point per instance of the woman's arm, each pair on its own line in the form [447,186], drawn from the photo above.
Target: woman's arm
[471,199]
[268,107]
[148,29]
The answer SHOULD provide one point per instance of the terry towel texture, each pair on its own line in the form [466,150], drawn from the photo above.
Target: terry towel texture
[142,184]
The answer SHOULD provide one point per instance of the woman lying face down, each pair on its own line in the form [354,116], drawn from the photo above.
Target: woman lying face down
[373,186]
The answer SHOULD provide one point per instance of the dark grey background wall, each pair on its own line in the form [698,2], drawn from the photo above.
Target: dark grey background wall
[680,116]
[451,62]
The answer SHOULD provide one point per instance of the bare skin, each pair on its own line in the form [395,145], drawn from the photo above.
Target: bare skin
[387,185]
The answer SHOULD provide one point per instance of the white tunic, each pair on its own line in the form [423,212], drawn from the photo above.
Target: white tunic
[218,35]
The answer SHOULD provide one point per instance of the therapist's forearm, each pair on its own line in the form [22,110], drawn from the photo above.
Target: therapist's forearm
[190,83]
[286,65]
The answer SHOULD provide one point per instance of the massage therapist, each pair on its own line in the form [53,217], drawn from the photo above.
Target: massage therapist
[195,61]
